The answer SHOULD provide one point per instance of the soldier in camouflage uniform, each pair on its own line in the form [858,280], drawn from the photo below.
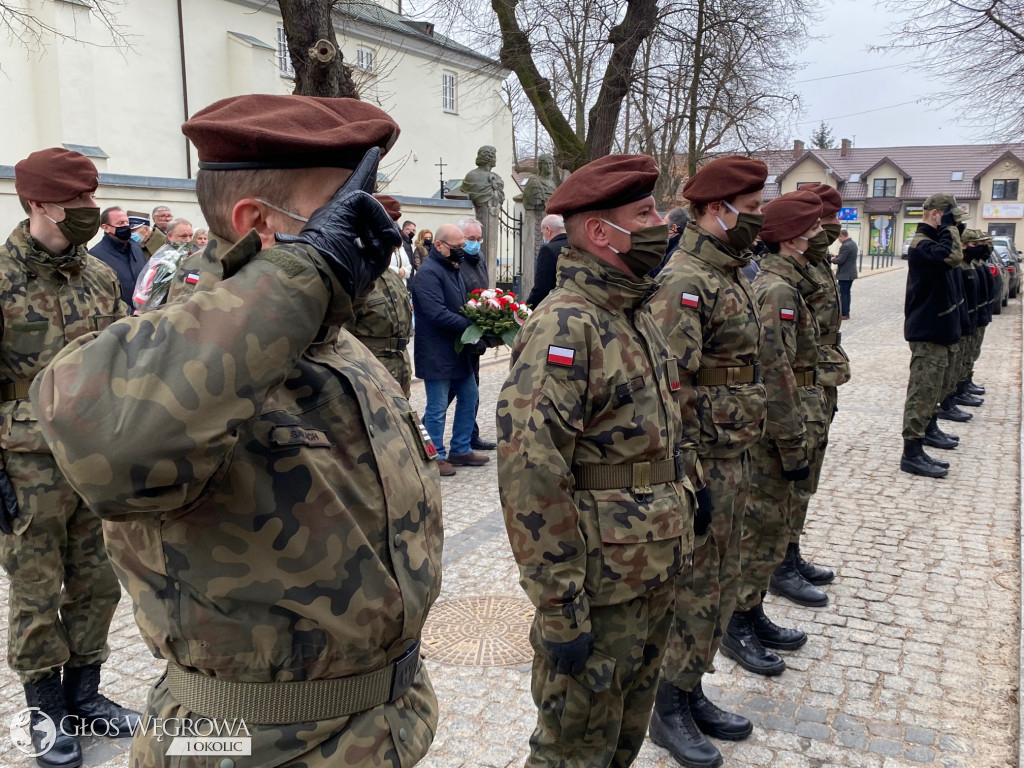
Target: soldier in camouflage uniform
[592,472]
[383,316]
[705,305]
[976,246]
[63,591]
[795,430]
[932,327]
[968,284]
[795,578]
[268,497]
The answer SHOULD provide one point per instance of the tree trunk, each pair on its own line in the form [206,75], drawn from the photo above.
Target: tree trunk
[320,68]
[695,77]
[626,38]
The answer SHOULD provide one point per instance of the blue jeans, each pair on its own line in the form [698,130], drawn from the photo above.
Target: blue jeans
[844,296]
[466,396]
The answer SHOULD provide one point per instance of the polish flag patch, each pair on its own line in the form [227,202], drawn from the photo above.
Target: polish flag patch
[192,278]
[561,356]
[690,300]
[787,314]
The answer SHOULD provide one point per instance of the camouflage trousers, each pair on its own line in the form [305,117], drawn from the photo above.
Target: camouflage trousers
[774,506]
[398,365]
[926,386]
[63,591]
[705,595]
[952,373]
[600,716]
[391,735]
[979,339]
[817,460]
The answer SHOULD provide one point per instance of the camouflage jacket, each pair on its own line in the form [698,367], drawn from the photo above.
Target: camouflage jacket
[267,496]
[790,348]
[706,308]
[383,312]
[46,302]
[593,383]
[833,362]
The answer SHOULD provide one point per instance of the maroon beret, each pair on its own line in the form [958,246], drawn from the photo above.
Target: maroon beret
[392,206]
[790,215]
[831,200]
[261,130]
[55,175]
[725,178]
[607,182]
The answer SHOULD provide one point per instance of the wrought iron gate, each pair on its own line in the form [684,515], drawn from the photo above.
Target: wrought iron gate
[509,265]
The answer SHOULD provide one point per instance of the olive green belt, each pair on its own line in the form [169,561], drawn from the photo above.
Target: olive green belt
[638,477]
[372,342]
[287,703]
[831,339]
[14,390]
[808,377]
[712,377]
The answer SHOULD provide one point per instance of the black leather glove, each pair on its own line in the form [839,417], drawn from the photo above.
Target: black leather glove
[570,658]
[702,514]
[8,504]
[948,219]
[478,347]
[798,474]
[352,231]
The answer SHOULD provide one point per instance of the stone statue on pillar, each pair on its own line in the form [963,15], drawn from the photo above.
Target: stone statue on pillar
[487,191]
[538,189]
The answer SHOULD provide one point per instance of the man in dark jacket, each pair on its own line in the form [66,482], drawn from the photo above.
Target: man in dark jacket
[846,260]
[438,295]
[931,326]
[119,252]
[552,229]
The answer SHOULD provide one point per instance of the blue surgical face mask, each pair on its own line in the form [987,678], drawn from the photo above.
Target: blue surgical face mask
[472,247]
[136,238]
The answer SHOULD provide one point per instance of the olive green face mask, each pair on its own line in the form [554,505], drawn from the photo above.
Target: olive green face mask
[80,225]
[647,247]
[748,227]
[817,248]
[832,230]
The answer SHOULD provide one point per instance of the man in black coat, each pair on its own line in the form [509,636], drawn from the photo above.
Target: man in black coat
[119,252]
[932,327]
[846,261]
[438,295]
[552,229]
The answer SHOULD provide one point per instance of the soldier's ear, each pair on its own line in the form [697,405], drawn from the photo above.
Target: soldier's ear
[249,214]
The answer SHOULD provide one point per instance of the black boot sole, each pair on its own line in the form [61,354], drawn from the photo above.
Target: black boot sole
[805,603]
[766,671]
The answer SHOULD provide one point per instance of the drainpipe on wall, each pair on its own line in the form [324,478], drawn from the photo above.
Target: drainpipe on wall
[184,86]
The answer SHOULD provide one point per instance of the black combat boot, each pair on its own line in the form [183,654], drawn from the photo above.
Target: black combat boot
[974,389]
[917,462]
[672,727]
[816,574]
[936,438]
[47,695]
[949,411]
[963,397]
[742,646]
[81,691]
[787,582]
[771,634]
[715,721]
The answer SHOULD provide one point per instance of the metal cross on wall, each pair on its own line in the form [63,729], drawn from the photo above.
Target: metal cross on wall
[441,165]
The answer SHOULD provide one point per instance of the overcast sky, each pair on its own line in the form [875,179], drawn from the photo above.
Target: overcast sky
[861,107]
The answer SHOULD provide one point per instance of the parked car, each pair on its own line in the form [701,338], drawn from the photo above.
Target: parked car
[1000,272]
[1010,256]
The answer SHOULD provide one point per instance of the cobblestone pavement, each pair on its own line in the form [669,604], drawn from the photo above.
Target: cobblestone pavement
[914,662]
